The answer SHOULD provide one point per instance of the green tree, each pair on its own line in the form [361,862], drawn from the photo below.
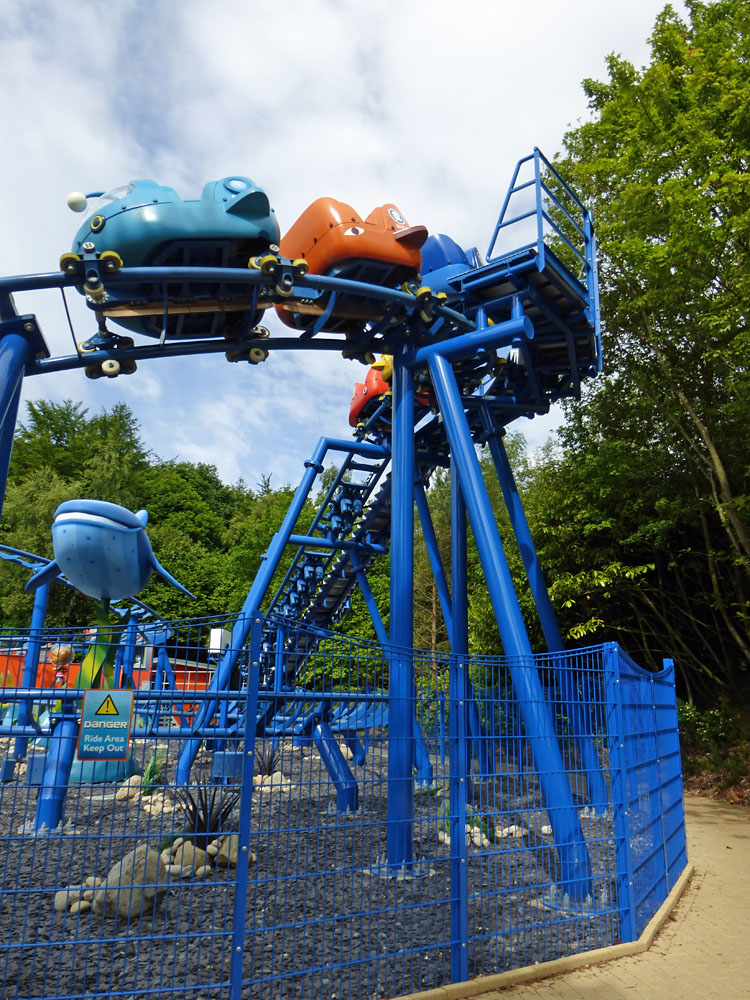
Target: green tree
[656,454]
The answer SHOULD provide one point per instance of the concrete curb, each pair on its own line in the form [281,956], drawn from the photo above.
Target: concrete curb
[502,980]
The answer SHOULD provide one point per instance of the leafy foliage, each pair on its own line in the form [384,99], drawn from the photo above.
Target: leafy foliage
[154,772]
[644,514]
[209,535]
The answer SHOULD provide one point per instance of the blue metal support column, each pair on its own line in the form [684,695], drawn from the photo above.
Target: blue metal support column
[61,748]
[572,701]
[278,661]
[369,599]
[458,700]
[347,793]
[422,760]
[522,532]
[124,678]
[15,353]
[401,670]
[441,585]
[574,861]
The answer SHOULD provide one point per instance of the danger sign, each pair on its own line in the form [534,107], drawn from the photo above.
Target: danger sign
[106,718]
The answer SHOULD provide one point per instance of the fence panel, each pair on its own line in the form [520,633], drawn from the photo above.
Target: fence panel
[282,885]
[521,911]
[134,892]
[653,786]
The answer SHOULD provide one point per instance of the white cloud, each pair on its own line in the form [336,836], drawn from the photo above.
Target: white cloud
[427,104]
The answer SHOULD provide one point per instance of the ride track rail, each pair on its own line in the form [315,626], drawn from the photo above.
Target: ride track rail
[403,309]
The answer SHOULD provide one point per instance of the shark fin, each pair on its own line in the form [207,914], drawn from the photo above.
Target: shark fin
[44,575]
[168,576]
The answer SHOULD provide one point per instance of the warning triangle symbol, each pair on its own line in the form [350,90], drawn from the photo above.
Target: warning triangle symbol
[107,707]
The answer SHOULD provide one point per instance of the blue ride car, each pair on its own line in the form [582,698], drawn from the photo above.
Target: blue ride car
[148,225]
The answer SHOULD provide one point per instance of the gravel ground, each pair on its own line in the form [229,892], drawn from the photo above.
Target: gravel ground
[323,916]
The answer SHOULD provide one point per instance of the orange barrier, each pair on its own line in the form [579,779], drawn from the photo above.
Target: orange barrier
[188,676]
[11,670]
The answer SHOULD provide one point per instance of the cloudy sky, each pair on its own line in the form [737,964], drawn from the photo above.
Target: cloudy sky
[427,104]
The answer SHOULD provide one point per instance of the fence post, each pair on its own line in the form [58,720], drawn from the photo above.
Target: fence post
[458,726]
[670,774]
[401,692]
[658,832]
[619,783]
[243,860]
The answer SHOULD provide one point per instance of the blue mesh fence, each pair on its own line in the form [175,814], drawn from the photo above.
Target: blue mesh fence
[270,873]
[652,785]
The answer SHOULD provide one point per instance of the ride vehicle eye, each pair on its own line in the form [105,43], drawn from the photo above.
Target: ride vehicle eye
[235,184]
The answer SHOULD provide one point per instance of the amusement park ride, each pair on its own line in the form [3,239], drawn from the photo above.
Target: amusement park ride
[467,344]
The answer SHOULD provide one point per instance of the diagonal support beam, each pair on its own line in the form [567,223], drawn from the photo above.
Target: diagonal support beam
[537,719]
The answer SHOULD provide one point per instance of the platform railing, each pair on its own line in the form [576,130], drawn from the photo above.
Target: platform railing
[542,214]
[282,884]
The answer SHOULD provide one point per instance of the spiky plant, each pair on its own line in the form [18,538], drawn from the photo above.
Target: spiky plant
[153,772]
[267,761]
[207,811]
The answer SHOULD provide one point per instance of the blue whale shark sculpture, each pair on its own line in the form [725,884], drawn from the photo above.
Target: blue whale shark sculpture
[103,550]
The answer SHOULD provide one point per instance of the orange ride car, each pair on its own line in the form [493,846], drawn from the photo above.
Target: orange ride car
[382,249]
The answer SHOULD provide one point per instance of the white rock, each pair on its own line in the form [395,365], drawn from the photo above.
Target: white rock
[476,837]
[82,906]
[212,849]
[513,831]
[133,885]
[65,897]
[547,830]
[277,778]
[177,843]
[166,857]
[202,871]
[92,881]
[228,851]
[188,857]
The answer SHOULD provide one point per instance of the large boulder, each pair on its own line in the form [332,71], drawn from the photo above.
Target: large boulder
[135,885]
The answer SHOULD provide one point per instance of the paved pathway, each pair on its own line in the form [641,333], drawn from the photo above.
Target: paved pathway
[703,950]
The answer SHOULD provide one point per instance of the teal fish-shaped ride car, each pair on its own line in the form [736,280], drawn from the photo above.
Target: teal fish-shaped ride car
[150,225]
